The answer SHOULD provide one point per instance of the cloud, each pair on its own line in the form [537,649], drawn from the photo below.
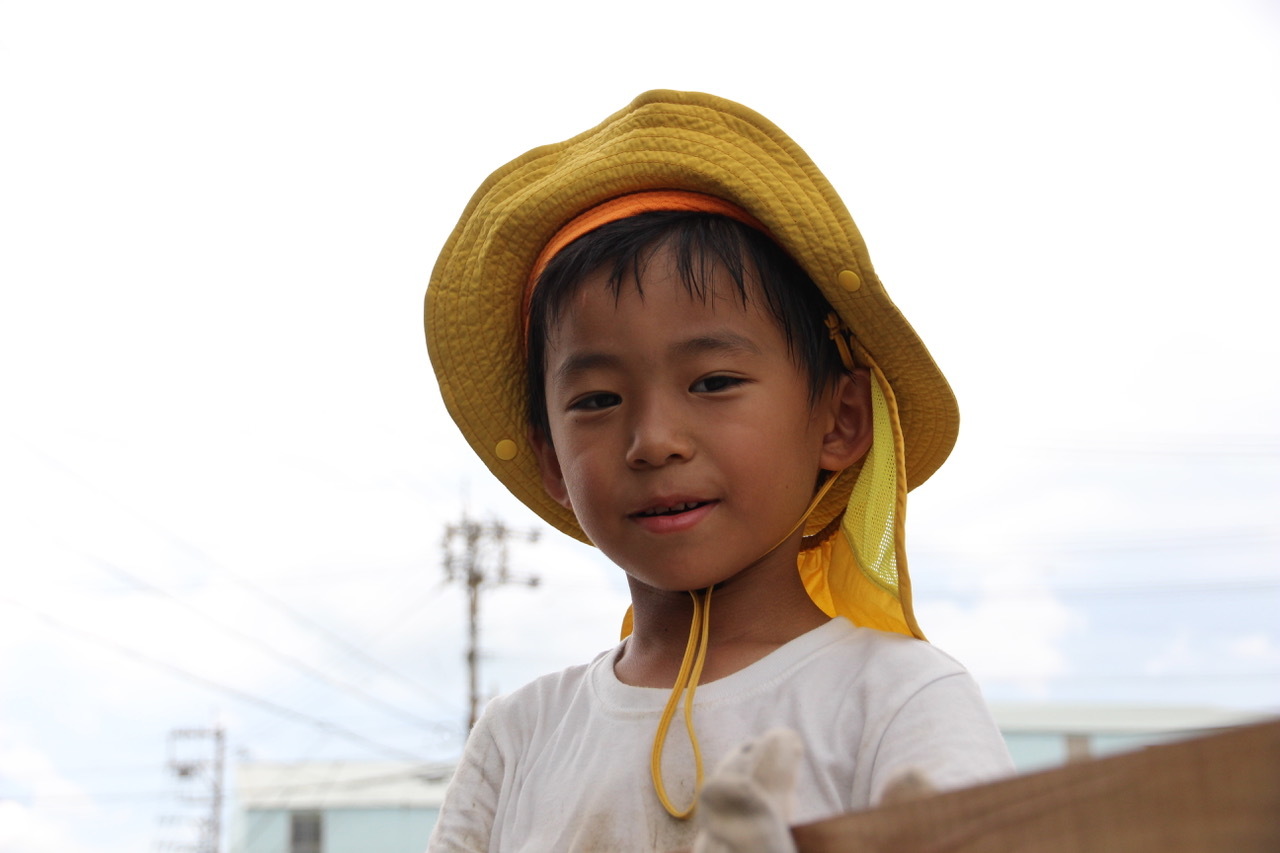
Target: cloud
[1258,649]
[23,830]
[28,827]
[1183,654]
[23,765]
[1247,663]
[1010,644]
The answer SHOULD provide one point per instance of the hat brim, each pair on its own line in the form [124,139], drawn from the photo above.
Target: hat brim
[662,140]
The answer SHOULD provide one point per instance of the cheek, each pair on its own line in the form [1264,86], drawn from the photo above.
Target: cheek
[796,454]
[577,471]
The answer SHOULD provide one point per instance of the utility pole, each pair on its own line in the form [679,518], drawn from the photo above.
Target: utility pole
[192,768]
[475,554]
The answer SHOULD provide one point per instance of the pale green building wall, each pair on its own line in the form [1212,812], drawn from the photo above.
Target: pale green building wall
[372,830]
[262,832]
[378,830]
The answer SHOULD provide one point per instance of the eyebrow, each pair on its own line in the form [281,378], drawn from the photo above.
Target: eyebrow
[581,362]
[724,342]
[720,342]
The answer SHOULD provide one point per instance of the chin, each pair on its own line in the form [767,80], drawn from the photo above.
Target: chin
[684,583]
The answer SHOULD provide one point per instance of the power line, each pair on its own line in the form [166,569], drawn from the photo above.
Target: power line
[208,683]
[393,623]
[1151,541]
[307,622]
[422,771]
[289,660]
[82,799]
[1165,541]
[315,627]
[309,578]
[1220,446]
[1104,590]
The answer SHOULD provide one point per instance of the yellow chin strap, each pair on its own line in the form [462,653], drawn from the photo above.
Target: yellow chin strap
[695,655]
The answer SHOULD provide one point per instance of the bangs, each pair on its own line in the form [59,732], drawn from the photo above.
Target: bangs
[701,244]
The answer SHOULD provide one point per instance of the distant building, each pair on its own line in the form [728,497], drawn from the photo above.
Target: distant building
[336,806]
[391,807]
[1050,735]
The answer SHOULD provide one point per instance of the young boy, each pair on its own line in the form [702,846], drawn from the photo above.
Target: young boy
[665,336]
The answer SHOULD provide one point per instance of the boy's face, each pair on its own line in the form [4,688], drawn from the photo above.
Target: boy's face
[683,436]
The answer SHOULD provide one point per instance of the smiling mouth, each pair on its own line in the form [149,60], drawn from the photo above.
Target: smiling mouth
[674,509]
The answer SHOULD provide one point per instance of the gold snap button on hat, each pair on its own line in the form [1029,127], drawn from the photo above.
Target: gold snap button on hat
[849,280]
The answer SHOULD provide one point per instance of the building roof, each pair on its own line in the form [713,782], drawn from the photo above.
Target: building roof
[1024,718]
[340,784]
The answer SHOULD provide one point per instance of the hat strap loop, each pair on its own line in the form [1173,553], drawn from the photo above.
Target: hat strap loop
[840,333]
[695,655]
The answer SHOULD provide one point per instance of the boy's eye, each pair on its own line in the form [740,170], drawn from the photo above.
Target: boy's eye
[716,383]
[593,402]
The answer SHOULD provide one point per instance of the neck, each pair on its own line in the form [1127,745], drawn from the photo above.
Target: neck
[754,613]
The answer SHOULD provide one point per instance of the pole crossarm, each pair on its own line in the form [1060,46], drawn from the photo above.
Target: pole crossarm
[476,555]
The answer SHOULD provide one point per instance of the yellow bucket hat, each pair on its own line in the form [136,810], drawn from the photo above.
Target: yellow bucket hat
[853,562]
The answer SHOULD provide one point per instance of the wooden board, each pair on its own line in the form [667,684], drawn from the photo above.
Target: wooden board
[1214,793]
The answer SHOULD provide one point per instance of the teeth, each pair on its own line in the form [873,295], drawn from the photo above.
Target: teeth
[671,510]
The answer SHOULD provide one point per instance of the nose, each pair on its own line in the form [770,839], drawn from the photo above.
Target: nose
[659,435]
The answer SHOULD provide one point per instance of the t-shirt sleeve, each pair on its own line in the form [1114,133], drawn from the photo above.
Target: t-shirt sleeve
[465,823]
[945,733]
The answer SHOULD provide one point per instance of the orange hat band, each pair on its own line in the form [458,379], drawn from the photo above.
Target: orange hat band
[624,207]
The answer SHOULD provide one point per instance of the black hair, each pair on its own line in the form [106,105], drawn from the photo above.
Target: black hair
[700,243]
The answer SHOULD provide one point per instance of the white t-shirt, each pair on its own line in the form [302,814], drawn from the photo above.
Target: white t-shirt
[562,764]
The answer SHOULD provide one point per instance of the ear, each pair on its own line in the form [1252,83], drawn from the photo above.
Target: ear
[549,468]
[849,436]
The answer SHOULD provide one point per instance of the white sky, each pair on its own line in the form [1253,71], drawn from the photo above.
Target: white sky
[222,446]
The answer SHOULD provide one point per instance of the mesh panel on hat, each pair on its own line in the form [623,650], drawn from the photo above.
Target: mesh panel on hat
[869,520]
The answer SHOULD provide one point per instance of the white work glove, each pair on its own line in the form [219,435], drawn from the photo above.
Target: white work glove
[745,805]
[908,785]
